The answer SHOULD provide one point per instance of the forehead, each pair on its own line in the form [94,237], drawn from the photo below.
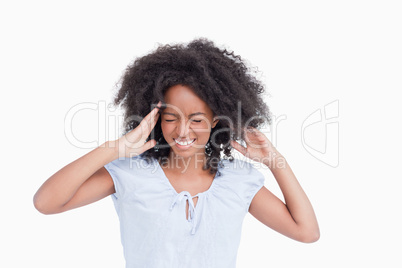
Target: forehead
[181,99]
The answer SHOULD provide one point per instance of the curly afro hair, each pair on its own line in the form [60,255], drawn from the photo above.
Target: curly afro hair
[217,76]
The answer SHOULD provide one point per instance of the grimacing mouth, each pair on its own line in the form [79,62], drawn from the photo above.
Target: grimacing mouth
[192,141]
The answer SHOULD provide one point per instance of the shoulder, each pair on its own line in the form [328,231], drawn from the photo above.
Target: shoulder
[128,173]
[237,167]
[242,178]
[128,164]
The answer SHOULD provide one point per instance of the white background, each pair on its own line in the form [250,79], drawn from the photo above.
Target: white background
[55,55]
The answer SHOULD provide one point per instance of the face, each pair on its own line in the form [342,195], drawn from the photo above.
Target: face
[186,122]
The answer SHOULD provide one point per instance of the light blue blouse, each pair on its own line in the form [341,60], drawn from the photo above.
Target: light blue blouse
[155,232]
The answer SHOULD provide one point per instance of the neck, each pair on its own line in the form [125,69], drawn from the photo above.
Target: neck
[186,165]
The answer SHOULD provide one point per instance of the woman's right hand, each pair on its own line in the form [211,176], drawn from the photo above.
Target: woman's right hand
[133,143]
[86,180]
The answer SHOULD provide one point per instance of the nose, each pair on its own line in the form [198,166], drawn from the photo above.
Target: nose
[183,128]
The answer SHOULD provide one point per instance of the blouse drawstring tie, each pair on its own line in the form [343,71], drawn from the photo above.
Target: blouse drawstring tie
[191,208]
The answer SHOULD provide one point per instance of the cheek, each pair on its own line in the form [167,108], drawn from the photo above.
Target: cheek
[166,128]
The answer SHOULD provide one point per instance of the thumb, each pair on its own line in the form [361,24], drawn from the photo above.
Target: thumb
[238,147]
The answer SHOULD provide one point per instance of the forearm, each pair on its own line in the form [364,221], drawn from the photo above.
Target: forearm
[61,186]
[296,199]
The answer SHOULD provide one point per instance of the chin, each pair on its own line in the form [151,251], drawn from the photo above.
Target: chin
[187,153]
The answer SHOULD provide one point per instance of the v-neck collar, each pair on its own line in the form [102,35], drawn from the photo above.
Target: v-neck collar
[166,180]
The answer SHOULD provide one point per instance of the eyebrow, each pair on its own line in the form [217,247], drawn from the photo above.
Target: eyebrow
[191,115]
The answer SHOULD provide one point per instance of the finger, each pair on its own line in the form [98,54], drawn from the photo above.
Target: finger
[248,136]
[150,120]
[148,145]
[256,136]
[250,129]
[238,147]
[146,128]
[154,112]
[253,134]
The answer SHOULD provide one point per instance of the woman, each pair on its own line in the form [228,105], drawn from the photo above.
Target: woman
[180,203]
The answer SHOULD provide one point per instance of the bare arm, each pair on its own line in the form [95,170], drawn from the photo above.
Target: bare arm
[295,218]
[85,179]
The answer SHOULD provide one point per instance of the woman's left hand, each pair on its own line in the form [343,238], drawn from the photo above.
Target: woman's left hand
[259,148]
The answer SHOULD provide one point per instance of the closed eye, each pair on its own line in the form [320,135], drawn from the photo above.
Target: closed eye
[196,121]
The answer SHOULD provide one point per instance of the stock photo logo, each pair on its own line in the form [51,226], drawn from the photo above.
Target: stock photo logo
[319,131]
[107,121]
[320,134]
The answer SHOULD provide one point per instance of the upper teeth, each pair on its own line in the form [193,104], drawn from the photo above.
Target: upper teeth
[184,142]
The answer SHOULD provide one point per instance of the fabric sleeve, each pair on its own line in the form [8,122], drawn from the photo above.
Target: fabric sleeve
[253,183]
[245,180]
[114,170]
